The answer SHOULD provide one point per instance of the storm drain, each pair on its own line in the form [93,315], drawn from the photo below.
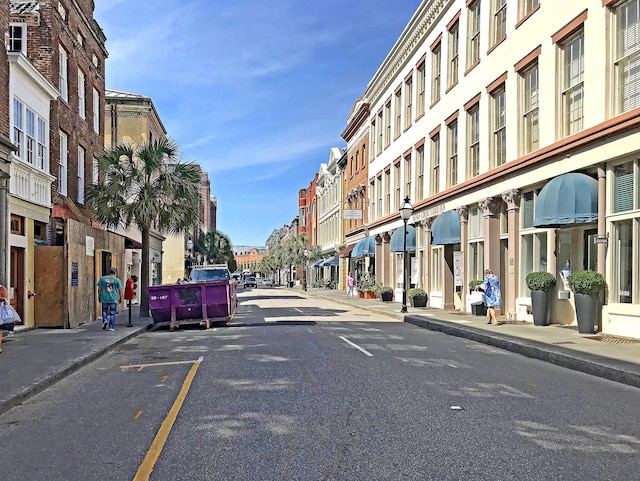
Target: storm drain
[614,339]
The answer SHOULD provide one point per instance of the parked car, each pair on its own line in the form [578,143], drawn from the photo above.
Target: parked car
[267,283]
[250,281]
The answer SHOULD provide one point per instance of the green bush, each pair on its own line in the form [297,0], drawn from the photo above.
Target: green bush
[473,284]
[386,290]
[417,292]
[540,281]
[586,282]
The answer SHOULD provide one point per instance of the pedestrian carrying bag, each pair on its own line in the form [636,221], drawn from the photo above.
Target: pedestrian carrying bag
[8,314]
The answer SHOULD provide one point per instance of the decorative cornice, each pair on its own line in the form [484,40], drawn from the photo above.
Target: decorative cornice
[463,213]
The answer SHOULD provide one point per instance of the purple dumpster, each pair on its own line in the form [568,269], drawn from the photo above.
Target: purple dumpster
[202,302]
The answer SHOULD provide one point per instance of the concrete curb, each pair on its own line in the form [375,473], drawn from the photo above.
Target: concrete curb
[618,371]
[51,378]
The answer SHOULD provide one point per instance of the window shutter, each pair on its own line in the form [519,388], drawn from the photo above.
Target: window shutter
[527,219]
[623,188]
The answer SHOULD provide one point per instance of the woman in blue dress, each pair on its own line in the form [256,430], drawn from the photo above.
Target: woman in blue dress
[492,297]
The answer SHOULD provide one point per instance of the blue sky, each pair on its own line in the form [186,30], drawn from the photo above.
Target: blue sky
[255,91]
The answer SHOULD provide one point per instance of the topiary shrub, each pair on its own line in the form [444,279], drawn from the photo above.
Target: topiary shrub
[475,283]
[586,282]
[540,281]
[417,292]
[386,290]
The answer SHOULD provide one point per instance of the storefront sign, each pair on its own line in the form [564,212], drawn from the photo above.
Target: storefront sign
[458,269]
[352,214]
[74,273]
[428,213]
[90,245]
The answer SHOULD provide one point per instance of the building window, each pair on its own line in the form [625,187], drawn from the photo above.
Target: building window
[379,132]
[81,157]
[387,124]
[94,176]
[387,191]
[473,135]
[63,86]
[408,105]
[39,230]
[62,166]
[530,124]
[623,180]
[436,54]
[407,176]
[421,79]
[81,95]
[396,186]
[473,34]
[533,257]
[17,41]
[623,285]
[437,255]
[453,47]
[526,6]
[527,209]
[96,111]
[43,157]
[452,153]
[17,224]
[628,54]
[398,113]
[435,164]
[573,84]
[30,156]
[419,173]
[499,20]
[380,204]
[373,139]
[476,244]
[498,126]
[18,126]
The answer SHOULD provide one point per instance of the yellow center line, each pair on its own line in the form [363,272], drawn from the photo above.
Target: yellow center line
[144,471]
[137,415]
[164,378]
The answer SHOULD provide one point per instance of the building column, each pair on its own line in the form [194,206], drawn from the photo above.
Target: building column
[491,210]
[602,224]
[426,226]
[512,199]
[4,228]
[463,213]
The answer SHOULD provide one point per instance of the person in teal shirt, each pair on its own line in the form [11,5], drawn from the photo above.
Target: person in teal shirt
[110,295]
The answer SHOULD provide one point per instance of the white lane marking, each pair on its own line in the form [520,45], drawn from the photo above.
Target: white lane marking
[299,310]
[356,346]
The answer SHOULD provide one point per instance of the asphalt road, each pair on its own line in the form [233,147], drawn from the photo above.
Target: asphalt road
[303,389]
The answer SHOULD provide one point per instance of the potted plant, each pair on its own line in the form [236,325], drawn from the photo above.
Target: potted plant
[475,283]
[367,286]
[386,293]
[418,297]
[587,287]
[540,283]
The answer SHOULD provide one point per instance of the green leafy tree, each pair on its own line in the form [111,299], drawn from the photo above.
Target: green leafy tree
[146,186]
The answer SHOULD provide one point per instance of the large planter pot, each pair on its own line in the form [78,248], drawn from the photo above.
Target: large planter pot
[361,294]
[588,309]
[418,301]
[369,295]
[386,296]
[541,305]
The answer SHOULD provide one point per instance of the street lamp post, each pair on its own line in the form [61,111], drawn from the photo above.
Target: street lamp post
[189,263]
[406,209]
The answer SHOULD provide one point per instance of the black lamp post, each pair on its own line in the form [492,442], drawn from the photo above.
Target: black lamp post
[406,209]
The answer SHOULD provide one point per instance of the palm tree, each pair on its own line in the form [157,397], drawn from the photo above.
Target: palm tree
[216,247]
[146,186]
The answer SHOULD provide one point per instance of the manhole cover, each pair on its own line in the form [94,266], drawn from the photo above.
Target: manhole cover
[614,339]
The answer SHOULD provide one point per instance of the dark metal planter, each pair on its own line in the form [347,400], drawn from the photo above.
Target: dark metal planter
[418,301]
[541,305]
[588,311]
[386,296]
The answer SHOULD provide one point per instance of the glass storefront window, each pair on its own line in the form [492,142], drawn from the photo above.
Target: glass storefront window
[476,261]
[436,269]
[623,260]
[533,257]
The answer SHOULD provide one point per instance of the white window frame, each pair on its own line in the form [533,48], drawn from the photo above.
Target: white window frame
[436,72]
[81,159]
[530,83]
[397,112]
[387,124]
[30,150]
[18,126]
[434,184]
[96,111]
[94,176]
[627,51]
[43,145]
[420,173]
[62,164]
[421,97]
[453,43]
[473,141]
[18,37]
[499,126]
[498,20]
[82,107]
[473,33]
[63,73]
[452,153]
[572,102]
[408,102]
[406,162]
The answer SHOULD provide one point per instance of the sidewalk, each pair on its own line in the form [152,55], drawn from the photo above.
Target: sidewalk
[34,359]
[610,357]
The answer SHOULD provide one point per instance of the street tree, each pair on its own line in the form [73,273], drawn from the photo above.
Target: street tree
[148,187]
[216,248]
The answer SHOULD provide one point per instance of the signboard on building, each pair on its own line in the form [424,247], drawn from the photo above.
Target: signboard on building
[458,269]
[352,214]
[90,245]
[74,273]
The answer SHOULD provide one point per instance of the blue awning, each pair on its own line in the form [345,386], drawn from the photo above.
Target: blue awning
[445,230]
[364,248]
[569,199]
[318,263]
[334,261]
[397,239]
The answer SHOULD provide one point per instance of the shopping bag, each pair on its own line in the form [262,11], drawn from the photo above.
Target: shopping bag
[8,314]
